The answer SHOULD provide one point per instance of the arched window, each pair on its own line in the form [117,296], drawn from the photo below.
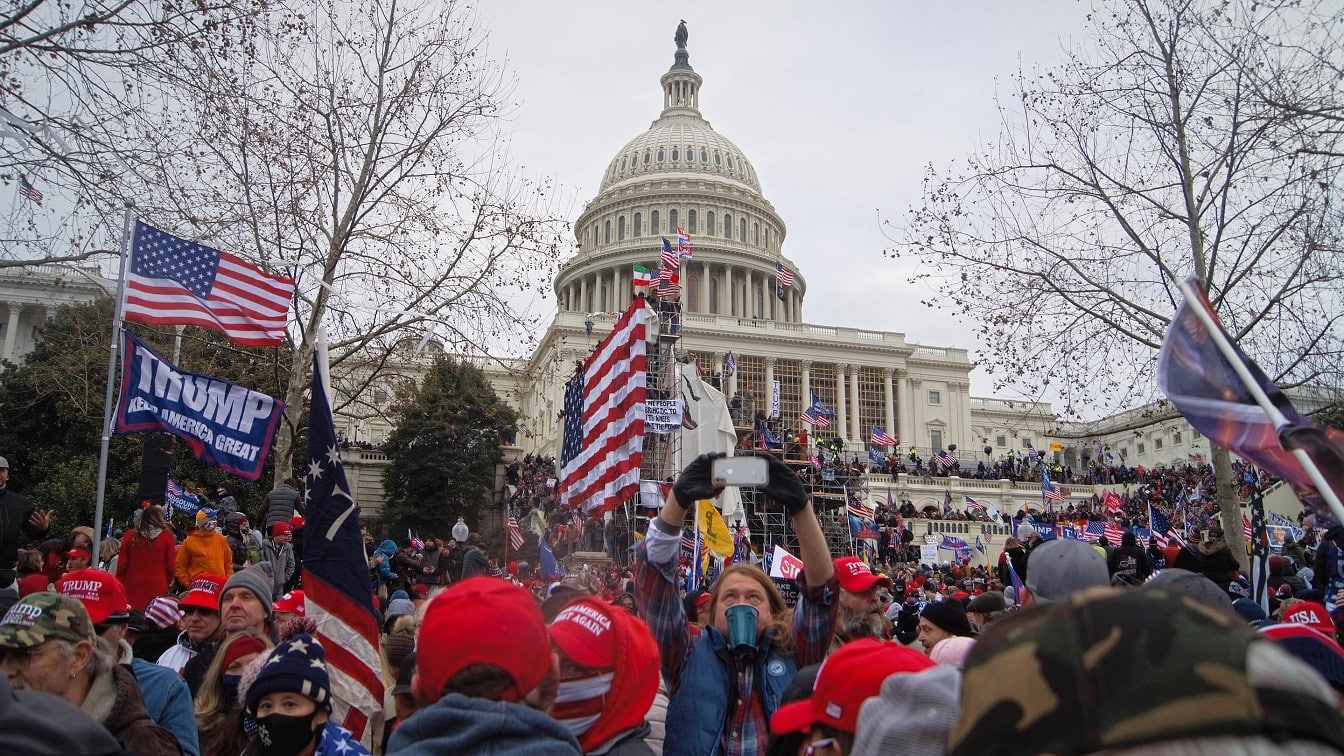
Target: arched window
[692,290]
[622,168]
[671,221]
[718,160]
[607,239]
[727,226]
[759,302]
[647,157]
[620,231]
[661,155]
[602,296]
[756,233]
[639,225]
[742,230]
[690,222]
[704,155]
[709,221]
[713,296]
[690,154]
[730,163]
[653,223]
[676,154]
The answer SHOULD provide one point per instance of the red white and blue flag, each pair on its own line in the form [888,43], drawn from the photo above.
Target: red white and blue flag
[669,283]
[945,459]
[670,259]
[603,444]
[783,276]
[29,192]
[683,244]
[336,575]
[1113,503]
[817,414]
[515,533]
[881,437]
[173,281]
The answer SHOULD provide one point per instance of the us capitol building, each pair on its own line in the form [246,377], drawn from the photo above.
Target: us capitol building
[680,172]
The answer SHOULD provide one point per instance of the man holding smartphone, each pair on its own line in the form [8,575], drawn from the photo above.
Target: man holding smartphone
[722,693]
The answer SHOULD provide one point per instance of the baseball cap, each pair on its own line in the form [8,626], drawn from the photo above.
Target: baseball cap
[405,673]
[41,617]
[102,594]
[483,620]
[583,631]
[204,592]
[78,554]
[291,602]
[857,577]
[985,603]
[4,463]
[282,527]
[1312,614]
[848,677]
[1061,567]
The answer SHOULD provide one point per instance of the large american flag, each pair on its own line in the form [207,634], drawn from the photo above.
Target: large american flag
[336,575]
[783,276]
[881,437]
[515,533]
[669,283]
[1160,528]
[1096,529]
[670,259]
[603,445]
[173,281]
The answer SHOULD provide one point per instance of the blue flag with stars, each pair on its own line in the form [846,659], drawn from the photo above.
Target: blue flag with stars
[336,574]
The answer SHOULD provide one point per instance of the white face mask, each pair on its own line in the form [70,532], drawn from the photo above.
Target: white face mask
[578,703]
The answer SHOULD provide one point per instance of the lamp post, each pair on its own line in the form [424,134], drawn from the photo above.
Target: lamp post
[461,531]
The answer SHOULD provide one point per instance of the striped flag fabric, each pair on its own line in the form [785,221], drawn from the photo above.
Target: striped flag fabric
[783,276]
[1049,490]
[336,575]
[670,259]
[642,276]
[29,192]
[1159,527]
[515,533]
[945,458]
[683,244]
[817,413]
[1246,528]
[669,283]
[859,509]
[603,443]
[174,281]
[974,506]
[1094,531]
[881,437]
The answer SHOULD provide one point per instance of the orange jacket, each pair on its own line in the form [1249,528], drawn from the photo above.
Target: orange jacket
[203,552]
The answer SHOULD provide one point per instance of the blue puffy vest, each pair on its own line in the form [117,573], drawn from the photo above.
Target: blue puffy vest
[698,711]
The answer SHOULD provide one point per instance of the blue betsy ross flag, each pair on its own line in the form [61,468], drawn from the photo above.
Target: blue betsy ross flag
[336,574]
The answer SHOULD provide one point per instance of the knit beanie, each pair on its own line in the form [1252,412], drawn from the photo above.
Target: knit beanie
[298,665]
[254,580]
[949,616]
[398,645]
[1321,652]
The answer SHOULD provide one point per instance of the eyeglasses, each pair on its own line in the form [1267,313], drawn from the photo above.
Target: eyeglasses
[819,745]
[20,658]
[189,610]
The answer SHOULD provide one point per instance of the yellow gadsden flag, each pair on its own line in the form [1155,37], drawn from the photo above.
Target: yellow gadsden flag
[714,532]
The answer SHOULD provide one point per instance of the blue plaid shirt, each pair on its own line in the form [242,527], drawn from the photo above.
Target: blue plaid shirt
[659,599]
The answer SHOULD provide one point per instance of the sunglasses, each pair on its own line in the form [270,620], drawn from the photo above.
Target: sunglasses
[189,610]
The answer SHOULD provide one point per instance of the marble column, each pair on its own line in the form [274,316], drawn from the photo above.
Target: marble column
[750,302]
[583,296]
[887,404]
[856,433]
[805,379]
[727,292]
[704,289]
[841,406]
[12,328]
[904,421]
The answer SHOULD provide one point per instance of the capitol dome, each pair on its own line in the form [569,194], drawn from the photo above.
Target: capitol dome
[682,174]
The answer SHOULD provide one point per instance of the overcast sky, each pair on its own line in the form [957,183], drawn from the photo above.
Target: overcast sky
[839,106]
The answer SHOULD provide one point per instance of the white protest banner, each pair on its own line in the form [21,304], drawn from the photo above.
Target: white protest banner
[928,554]
[662,416]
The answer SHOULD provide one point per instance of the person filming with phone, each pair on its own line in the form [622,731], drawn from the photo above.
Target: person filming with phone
[727,684]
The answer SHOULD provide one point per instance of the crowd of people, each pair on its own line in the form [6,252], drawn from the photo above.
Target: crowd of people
[203,646]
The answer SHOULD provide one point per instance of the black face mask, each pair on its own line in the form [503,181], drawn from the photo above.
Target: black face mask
[281,735]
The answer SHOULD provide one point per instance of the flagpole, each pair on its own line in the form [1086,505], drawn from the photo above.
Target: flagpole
[1248,381]
[695,558]
[112,350]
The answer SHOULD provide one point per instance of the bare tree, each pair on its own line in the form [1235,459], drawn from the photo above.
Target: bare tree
[1145,158]
[356,146]
[74,81]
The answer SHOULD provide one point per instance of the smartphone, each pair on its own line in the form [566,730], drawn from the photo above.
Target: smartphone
[740,471]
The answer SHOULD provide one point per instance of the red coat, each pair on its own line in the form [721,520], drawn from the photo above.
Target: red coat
[146,567]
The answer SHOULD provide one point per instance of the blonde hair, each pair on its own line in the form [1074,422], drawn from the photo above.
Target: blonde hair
[214,715]
[781,617]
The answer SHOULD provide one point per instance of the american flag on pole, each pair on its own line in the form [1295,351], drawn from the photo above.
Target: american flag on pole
[859,508]
[515,533]
[603,444]
[669,283]
[683,244]
[881,437]
[173,281]
[1161,529]
[783,276]
[944,458]
[817,414]
[670,259]
[336,575]
[1049,490]
[29,192]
